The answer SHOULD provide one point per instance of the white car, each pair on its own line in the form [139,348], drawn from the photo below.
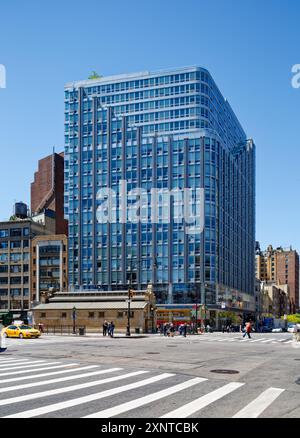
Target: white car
[292,328]
[277,330]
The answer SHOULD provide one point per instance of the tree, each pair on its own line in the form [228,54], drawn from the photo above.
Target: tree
[294,319]
[95,75]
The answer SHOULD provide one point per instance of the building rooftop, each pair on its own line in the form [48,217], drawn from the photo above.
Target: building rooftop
[119,305]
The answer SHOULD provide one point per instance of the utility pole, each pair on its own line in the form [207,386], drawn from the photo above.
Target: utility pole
[130,294]
[74,320]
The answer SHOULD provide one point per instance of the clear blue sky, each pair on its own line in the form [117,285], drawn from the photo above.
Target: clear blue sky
[248,46]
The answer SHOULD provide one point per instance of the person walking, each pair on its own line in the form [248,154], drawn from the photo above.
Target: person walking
[105,328]
[248,330]
[112,329]
[184,329]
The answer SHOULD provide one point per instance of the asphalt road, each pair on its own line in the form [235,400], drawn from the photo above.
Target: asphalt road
[211,375]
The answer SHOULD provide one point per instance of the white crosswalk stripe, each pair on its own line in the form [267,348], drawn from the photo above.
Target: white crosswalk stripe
[13,361]
[92,397]
[25,365]
[12,373]
[59,380]
[21,364]
[260,404]
[53,373]
[21,389]
[196,405]
[125,407]
[68,388]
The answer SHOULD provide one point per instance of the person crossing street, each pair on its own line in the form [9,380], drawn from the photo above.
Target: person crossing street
[248,330]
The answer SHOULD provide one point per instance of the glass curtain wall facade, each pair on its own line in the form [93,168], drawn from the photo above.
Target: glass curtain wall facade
[163,130]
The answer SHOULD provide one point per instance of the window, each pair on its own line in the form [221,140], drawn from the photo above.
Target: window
[101,314]
[91,315]
[64,315]
[120,315]
[16,232]
[42,315]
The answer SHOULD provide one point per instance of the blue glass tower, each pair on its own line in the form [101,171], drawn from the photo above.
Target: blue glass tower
[165,130]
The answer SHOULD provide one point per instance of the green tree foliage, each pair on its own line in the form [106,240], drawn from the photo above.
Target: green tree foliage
[294,319]
[95,75]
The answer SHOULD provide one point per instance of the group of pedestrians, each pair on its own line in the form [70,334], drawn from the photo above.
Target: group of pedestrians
[108,328]
[169,329]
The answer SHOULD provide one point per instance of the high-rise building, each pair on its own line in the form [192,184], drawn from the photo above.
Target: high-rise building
[163,130]
[47,190]
[281,266]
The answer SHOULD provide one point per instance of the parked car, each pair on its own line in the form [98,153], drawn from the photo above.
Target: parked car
[292,328]
[21,331]
[277,330]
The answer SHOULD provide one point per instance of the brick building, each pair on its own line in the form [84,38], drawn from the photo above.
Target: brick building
[47,190]
[280,265]
[93,308]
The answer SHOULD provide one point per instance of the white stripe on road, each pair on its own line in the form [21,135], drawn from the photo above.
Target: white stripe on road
[288,342]
[5,361]
[89,398]
[133,404]
[18,364]
[196,405]
[268,340]
[48,393]
[24,365]
[258,340]
[37,376]
[257,406]
[59,380]
[12,373]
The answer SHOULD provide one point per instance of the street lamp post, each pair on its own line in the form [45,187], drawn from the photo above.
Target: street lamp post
[128,313]
[74,320]
[130,294]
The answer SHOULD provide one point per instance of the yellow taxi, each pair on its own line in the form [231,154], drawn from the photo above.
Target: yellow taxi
[21,331]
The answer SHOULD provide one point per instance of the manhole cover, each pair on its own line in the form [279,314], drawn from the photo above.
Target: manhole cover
[152,352]
[224,371]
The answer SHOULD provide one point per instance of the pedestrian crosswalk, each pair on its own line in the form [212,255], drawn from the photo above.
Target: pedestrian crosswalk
[238,339]
[45,340]
[72,389]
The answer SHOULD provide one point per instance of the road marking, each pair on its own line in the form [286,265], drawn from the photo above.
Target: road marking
[7,361]
[50,392]
[258,340]
[36,376]
[133,404]
[59,380]
[257,406]
[89,398]
[24,365]
[12,373]
[269,340]
[288,342]
[196,405]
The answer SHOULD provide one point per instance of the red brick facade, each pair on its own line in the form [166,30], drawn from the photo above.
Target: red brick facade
[47,190]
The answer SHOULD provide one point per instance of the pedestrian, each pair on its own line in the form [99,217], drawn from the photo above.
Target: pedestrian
[184,329]
[105,328]
[248,329]
[172,330]
[165,329]
[112,329]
